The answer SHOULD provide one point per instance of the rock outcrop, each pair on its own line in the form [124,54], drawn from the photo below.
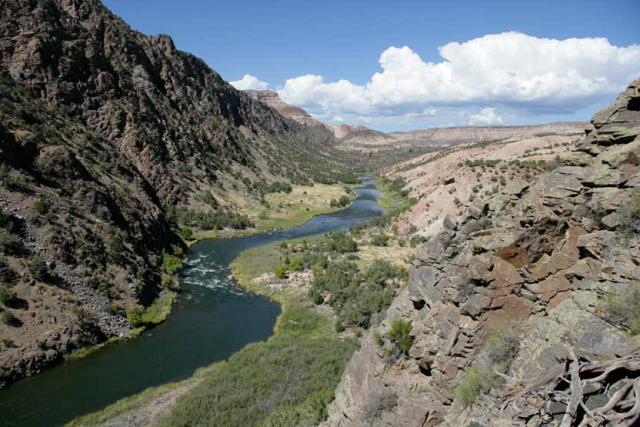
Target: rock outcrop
[372,141]
[521,292]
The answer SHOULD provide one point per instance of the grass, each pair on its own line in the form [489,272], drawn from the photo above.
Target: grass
[622,308]
[131,403]
[476,381]
[394,199]
[285,210]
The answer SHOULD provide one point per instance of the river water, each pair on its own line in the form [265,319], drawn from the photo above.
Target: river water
[212,319]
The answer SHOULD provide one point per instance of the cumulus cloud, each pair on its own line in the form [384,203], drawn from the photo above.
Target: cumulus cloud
[250,82]
[485,117]
[510,70]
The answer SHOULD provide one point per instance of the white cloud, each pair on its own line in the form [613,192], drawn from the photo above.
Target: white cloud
[509,70]
[485,117]
[250,82]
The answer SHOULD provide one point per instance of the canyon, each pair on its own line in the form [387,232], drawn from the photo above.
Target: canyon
[499,287]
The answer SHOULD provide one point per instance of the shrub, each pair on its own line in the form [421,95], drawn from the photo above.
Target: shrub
[475,382]
[134,315]
[377,404]
[296,264]
[315,296]
[9,222]
[211,220]
[417,240]
[10,243]
[186,233]
[502,346]
[41,205]
[171,264]
[630,212]
[281,271]
[8,297]
[340,242]
[400,335]
[340,203]
[40,270]
[9,319]
[14,182]
[379,240]
[623,308]
[377,338]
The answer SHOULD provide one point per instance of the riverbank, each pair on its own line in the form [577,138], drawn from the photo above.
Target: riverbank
[304,358]
[286,210]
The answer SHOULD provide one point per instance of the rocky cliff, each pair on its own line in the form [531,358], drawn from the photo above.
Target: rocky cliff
[81,234]
[523,311]
[370,141]
[181,125]
[273,100]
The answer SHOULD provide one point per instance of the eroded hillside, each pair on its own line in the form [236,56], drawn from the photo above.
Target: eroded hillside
[524,309]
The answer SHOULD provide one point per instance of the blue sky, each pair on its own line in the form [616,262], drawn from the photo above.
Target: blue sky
[300,41]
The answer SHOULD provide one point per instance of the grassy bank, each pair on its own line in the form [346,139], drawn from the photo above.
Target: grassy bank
[395,198]
[285,210]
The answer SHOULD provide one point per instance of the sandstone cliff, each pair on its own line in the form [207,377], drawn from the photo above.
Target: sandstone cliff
[522,311]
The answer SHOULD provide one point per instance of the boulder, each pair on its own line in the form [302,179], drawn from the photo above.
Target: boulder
[517,186]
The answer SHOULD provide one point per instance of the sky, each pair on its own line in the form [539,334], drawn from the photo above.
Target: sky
[403,64]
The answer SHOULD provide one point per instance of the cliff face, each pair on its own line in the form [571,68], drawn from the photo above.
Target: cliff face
[372,141]
[523,308]
[176,119]
[80,233]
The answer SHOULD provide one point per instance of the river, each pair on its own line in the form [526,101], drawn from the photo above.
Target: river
[212,319]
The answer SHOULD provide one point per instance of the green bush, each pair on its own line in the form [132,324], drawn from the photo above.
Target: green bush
[315,296]
[41,205]
[211,220]
[281,271]
[40,270]
[379,240]
[10,244]
[340,242]
[296,264]
[476,381]
[186,233]
[355,295]
[134,315]
[417,240]
[400,335]
[171,264]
